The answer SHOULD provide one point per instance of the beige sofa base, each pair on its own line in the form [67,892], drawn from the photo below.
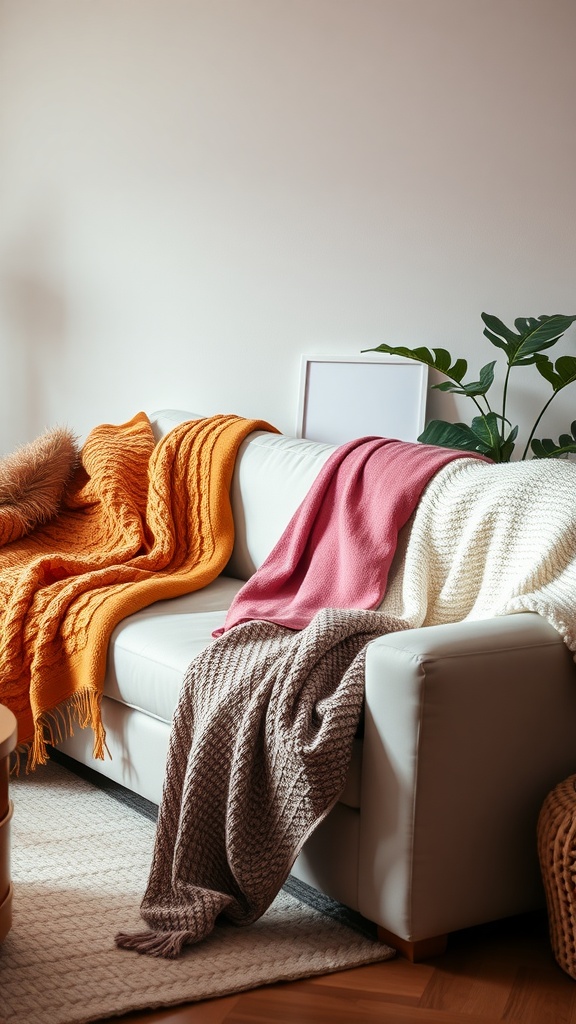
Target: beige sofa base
[467,728]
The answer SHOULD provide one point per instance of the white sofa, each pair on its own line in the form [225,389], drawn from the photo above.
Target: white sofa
[467,728]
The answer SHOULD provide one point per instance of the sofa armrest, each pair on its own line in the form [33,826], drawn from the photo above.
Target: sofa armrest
[467,728]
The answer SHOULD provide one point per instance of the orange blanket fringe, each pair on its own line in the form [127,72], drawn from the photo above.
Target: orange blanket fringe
[142,521]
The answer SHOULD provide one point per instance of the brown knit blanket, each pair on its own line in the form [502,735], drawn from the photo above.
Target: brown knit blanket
[260,748]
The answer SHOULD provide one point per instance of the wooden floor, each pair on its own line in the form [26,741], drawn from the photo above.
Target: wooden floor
[497,973]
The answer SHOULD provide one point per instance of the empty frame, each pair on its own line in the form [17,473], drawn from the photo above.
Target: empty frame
[342,398]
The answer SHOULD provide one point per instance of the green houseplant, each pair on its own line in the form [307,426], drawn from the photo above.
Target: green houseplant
[490,432]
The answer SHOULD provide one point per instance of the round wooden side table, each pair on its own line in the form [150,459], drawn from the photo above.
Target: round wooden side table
[8,734]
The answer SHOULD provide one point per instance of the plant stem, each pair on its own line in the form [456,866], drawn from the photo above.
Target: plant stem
[478,406]
[533,431]
[505,393]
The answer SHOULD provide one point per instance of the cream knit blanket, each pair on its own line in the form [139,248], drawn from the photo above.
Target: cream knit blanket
[490,540]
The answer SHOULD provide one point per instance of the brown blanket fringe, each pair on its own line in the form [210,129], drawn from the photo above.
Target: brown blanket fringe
[165,944]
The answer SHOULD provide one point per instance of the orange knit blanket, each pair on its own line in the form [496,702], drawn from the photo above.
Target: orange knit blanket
[140,522]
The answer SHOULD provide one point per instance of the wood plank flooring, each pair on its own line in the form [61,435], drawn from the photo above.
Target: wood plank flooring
[504,972]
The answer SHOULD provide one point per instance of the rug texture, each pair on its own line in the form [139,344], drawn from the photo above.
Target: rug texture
[80,860]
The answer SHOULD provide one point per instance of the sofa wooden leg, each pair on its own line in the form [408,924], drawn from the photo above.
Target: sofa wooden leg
[423,949]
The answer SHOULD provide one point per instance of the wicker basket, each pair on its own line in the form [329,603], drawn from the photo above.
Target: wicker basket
[557,855]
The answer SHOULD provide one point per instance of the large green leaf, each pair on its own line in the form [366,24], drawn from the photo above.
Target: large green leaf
[523,323]
[475,438]
[451,435]
[438,358]
[505,337]
[533,335]
[549,449]
[477,387]
[562,373]
[508,446]
[487,431]
[482,437]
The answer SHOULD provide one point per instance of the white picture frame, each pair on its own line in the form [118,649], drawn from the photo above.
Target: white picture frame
[344,397]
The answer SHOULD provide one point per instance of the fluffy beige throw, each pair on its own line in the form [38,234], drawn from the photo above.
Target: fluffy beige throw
[260,748]
[33,481]
[490,540]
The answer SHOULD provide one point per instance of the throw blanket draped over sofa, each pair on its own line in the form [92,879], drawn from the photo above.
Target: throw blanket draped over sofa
[490,540]
[141,522]
[339,545]
[263,730]
[262,736]
[277,709]
[259,751]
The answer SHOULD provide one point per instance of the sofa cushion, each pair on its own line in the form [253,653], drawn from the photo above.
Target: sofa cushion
[273,474]
[150,651]
[163,420]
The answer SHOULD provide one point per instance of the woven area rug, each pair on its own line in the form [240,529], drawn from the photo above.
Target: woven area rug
[80,859]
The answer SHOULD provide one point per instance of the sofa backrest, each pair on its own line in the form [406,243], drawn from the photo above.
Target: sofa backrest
[272,475]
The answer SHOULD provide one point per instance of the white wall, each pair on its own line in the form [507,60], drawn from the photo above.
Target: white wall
[196,192]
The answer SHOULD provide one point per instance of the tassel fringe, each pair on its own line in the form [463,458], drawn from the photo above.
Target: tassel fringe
[163,944]
[83,709]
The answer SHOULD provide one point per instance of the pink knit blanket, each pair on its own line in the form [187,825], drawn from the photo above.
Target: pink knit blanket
[337,549]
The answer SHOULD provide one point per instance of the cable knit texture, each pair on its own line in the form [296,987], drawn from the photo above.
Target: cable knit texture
[259,751]
[489,540]
[140,522]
